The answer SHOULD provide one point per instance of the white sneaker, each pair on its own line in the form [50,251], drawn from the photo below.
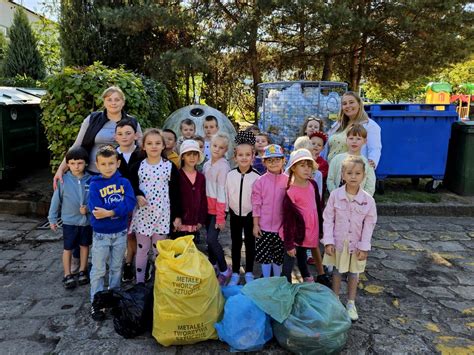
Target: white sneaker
[352,311]
[249,277]
[234,280]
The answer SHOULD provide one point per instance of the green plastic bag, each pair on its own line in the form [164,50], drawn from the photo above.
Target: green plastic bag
[317,322]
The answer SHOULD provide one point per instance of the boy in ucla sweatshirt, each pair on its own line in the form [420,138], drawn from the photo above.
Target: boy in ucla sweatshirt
[111,199]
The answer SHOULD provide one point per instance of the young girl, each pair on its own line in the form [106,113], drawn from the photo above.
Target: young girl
[155,181]
[310,125]
[319,139]
[267,198]
[193,191]
[215,171]
[349,221]
[303,215]
[305,143]
[261,141]
[239,185]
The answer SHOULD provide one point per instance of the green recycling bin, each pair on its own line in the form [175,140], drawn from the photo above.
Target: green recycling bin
[460,168]
[23,144]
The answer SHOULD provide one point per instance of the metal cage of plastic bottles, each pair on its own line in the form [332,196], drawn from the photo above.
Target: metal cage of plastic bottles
[283,107]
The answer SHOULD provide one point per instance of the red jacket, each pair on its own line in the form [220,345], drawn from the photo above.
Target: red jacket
[293,224]
[193,199]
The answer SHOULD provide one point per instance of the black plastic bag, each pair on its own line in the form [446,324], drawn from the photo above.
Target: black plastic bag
[132,308]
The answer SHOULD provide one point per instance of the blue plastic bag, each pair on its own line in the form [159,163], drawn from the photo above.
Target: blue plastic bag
[308,318]
[244,327]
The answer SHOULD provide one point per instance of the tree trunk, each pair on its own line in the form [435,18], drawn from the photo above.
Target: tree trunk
[328,67]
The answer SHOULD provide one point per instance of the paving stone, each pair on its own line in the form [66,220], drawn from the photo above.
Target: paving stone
[19,328]
[459,326]
[431,291]
[9,235]
[446,236]
[469,244]
[395,227]
[460,306]
[449,246]
[28,265]
[26,347]
[377,254]
[465,279]
[434,279]
[398,265]
[386,235]
[408,245]
[14,308]
[44,236]
[356,339]
[147,345]
[30,255]
[387,275]
[10,254]
[450,227]
[466,292]
[434,227]
[406,344]
[382,244]
[417,236]
[51,307]
[73,326]
[88,346]
[27,226]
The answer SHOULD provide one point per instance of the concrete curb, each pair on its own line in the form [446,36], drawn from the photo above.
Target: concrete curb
[426,209]
[41,208]
[24,207]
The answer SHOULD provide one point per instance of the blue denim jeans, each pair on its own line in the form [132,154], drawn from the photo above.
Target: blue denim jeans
[105,247]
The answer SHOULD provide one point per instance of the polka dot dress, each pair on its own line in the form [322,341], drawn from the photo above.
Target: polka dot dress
[154,218]
[337,144]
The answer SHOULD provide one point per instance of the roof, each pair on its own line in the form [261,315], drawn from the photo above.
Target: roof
[25,8]
[20,96]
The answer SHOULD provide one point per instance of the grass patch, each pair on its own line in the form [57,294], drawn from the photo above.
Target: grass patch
[403,190]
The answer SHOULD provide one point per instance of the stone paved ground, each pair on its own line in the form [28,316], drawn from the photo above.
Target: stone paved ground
[417,295]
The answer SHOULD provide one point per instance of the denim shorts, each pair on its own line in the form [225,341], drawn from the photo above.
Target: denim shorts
[75,236]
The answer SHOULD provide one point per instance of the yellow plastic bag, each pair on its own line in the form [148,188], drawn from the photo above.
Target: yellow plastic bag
[187,297]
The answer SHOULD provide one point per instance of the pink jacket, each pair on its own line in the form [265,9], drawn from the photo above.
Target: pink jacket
[354,221]
[216,175]
[267,200]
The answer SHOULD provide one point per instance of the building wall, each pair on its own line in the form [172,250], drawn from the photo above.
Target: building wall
[7,10]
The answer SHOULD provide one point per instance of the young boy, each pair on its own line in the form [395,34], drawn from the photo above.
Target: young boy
[215,171]
[239,185]
[261,141]
[129,153]
[69,200]
[211,127]
[201,143]
[111,199]
[356,138]
[170,146]
[187,127]
[319,139]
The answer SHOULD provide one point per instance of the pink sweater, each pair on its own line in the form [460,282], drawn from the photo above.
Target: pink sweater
[216,175]
[345,220]
[267,200]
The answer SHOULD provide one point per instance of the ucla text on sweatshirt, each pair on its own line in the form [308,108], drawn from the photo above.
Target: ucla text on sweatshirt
[116,194]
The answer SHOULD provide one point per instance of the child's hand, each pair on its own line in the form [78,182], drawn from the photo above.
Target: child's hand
[220,226]
[371,163]
[291,252]
[362,255]
[177,223]
[257,233]
[329,249]
[83,209]
[101,213]
[53,226]
[142,202]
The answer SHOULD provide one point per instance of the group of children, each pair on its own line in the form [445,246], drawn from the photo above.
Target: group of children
[169,187]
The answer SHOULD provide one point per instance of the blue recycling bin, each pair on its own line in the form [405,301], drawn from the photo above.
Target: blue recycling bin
[415,139]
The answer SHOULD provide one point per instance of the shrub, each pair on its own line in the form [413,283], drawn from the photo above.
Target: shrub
[21,81]
[76,92]
[158,100]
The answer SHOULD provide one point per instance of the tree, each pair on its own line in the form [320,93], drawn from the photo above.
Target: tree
[22,56]
[47,34]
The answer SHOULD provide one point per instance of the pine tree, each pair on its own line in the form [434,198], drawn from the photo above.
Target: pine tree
[22,56]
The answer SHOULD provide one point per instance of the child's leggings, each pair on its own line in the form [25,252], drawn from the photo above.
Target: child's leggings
[289,262]
[143,247]
[237,223]
[214,248]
